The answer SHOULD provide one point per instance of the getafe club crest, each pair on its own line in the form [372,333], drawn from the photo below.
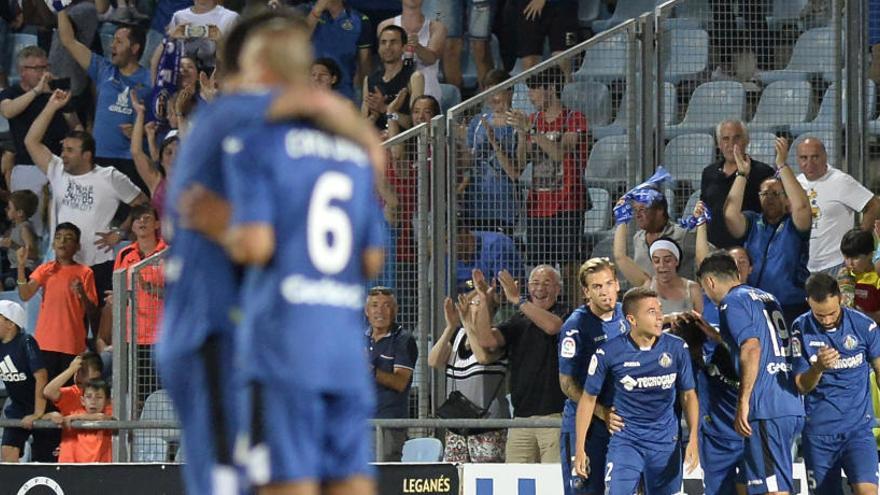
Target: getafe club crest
[665,360]
[850,343]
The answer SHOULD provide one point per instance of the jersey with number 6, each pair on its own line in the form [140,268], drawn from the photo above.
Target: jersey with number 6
[746,313]
[303,311]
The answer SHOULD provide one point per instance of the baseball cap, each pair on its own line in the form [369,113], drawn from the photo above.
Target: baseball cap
[13,312]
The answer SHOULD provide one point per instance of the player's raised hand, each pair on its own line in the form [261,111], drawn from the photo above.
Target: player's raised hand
[612,420]
[825,358]
[741,421]
[691,456]
[581,463]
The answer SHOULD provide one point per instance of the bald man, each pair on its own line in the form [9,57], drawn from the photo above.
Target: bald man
[834,197]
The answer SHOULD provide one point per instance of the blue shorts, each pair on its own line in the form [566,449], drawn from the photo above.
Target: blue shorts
[628,463]
[721,459]
[479,16]
[305,435]
[825,455]
[768,463]
[597,447]
[207,399]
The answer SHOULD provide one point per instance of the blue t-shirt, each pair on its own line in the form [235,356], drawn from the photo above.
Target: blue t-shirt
[645,383]
[113,107]
[748,313]
[780,254]
[201,283]
[841,402]
[341,39]
[495,252]
[492,194]
[303,311]
[20,358]
[582,333]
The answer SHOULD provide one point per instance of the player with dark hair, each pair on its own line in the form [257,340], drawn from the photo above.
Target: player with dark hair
[839,347]
[769,412]
[648,369]
[202,284]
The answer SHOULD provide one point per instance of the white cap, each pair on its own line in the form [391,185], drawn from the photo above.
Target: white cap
[13,312]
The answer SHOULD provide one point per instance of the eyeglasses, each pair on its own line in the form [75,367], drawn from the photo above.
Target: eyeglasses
[774,194]
[380,291]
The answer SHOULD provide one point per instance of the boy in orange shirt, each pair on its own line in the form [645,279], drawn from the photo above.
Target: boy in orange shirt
[89,445]
[69,296]
[84,368]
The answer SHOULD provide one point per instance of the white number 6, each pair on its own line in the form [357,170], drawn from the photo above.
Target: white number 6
[329,228]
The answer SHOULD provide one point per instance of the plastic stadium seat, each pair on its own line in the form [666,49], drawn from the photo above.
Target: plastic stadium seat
[812,56]
[686,156]
[19,41]
[607,162]
[605,61]
[450,96]
[605,247]
[670,104]
[520,100]
[688,54]
[824,120]
[422,450]
[152,445]
[691,204]
[598,218]
[625,10]
[590,98]
[828,139]
[785,12]
[588,11]
[621,119]
[782,104]
[711,103]
[762,147]
[691,14]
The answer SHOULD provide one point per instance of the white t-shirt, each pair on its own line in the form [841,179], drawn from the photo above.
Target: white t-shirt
[834,199]
[88,201]
[219,16]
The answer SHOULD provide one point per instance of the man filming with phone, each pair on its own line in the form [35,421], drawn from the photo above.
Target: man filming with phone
[20,104]
[200,27]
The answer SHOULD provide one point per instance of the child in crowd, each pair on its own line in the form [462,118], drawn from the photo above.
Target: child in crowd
[67,400]
[69,296]
[88,445]
[23,374]
[859,278]
[21,207]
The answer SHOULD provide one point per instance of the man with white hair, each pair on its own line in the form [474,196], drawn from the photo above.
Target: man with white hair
[834,197]
[717,179]
[530,338]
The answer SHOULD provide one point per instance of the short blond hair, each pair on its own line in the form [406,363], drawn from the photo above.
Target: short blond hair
[594,265]
[284,47]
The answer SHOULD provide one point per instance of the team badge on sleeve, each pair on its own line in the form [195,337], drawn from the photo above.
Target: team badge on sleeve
[594,362]
[568,348]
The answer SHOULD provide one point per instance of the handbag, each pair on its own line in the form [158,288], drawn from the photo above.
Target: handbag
[458,406]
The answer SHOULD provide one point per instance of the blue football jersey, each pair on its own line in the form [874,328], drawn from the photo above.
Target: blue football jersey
[582,333]
[746,313]
[646,382]
[841,402]
[202,283]
[717,383]
[303,311]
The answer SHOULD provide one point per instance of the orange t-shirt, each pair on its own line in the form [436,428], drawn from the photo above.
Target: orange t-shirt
[91,445]
[149,303]
[69,403]
[61,326]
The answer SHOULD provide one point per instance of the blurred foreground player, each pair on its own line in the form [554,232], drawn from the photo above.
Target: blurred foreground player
[649,369]
[839,347]
[195,354]
[306,219]
[769,411]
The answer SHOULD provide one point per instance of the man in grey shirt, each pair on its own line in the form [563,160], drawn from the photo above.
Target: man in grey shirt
[653,223]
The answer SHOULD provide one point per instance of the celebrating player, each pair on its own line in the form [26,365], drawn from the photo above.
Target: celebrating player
[597,321]
[648,369]
[307,220]
[839,347]
[769,411]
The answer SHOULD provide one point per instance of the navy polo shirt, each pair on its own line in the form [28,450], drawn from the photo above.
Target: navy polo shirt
[340,39]
[397,349]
